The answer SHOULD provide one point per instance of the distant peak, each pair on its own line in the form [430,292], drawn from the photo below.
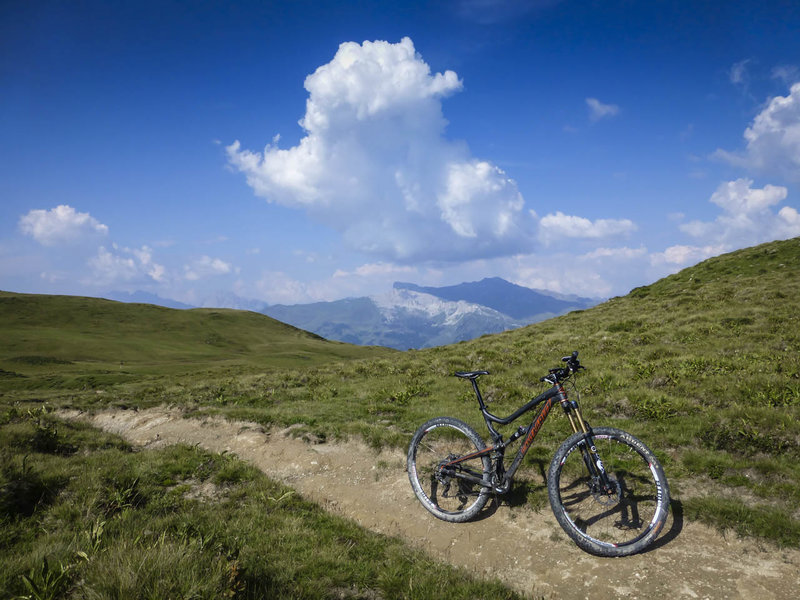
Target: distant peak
[503,296]
[404,285]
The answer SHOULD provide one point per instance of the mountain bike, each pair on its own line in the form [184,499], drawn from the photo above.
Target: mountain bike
[606,488]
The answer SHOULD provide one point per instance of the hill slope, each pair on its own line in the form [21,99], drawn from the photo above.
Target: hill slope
[43,335]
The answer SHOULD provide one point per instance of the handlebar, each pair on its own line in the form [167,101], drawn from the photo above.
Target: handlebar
[561,373]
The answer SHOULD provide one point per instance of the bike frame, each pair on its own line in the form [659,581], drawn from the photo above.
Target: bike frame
[503,479]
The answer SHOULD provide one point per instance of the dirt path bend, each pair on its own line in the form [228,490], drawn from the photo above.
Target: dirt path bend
[527,550]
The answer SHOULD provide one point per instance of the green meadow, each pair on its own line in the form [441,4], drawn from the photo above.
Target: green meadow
[703,365]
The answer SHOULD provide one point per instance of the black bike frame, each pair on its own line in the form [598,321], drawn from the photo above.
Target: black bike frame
[547,399]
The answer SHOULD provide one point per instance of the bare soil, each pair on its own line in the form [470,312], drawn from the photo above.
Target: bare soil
[526,549]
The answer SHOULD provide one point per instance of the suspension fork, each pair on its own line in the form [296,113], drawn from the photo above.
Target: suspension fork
[591,458]
[573,412]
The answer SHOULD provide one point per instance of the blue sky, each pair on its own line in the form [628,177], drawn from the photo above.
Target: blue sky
[301,151]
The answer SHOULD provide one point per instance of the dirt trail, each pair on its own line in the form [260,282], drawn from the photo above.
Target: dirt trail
[527,550]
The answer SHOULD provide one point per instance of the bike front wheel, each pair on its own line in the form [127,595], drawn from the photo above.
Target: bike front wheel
[445,466]
[616,517]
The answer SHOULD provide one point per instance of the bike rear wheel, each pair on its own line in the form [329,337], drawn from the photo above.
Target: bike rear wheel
[443,481]
[617,521]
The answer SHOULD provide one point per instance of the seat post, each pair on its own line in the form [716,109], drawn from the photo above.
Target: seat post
[478,393]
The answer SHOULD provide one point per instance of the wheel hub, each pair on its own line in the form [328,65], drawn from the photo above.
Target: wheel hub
[606,495]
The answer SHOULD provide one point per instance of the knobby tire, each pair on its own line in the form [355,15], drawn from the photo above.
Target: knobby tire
[618,523]
[437,474]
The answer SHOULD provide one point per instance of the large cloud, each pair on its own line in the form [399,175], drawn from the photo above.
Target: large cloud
[773,139]
[375,163]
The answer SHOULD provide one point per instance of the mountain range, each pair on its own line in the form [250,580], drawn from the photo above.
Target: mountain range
[412,316]
[140,297]
[408,316]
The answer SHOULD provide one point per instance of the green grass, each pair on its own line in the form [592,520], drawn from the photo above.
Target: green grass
[71,342]
[84,516]
[704,366]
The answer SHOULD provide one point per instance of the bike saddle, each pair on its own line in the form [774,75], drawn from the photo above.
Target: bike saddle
[470,374]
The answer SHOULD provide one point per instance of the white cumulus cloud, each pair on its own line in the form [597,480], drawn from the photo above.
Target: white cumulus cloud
[375,163]
[558,225]
[739,197]
[118,265]
[679,256]
[747,217]
[773,139]
[60,225]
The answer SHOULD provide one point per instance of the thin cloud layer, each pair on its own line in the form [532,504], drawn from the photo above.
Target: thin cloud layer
[206,266]
[375,163]
[599,110]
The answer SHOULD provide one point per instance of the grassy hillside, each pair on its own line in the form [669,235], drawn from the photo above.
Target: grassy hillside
[703,365]
[73,342]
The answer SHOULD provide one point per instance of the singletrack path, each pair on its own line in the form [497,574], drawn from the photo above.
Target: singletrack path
[525,549]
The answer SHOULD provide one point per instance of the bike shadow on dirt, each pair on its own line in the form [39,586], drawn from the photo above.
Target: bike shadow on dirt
[523,492]
[533,494]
